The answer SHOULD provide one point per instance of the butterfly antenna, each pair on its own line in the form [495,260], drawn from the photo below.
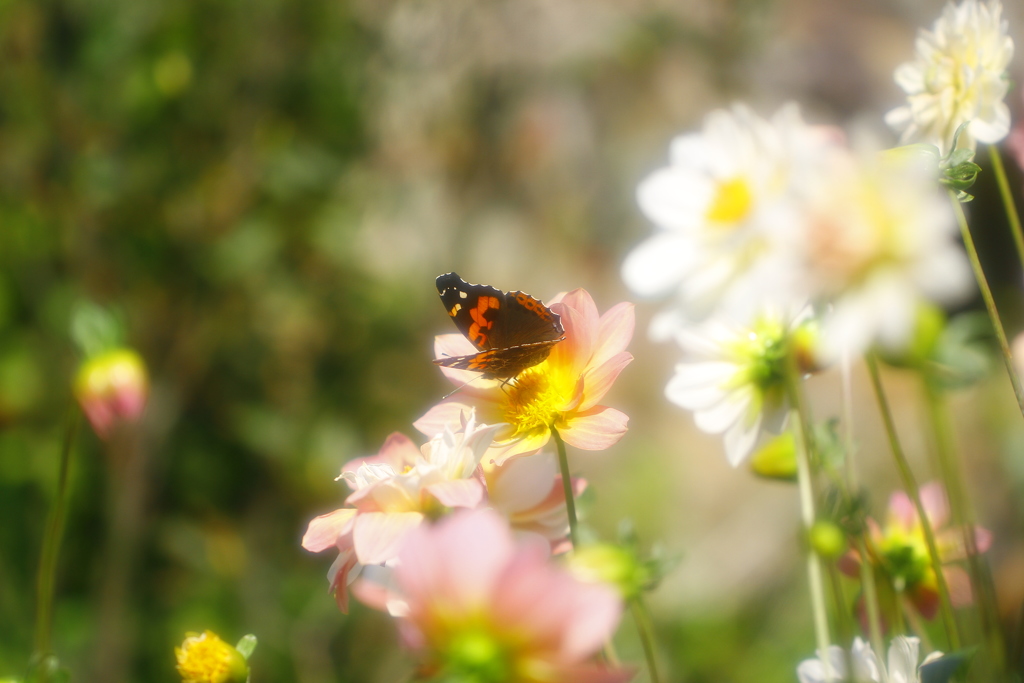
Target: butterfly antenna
[461,387]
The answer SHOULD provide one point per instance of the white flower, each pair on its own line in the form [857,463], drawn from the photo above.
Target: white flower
[444,468]
[958,76]
[880,239]
[902,666]
[720,207]
[734,379]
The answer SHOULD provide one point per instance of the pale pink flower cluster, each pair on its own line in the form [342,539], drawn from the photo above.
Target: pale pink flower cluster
[403,486]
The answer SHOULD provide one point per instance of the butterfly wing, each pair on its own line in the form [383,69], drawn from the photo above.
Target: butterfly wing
[512,330]
[474,309]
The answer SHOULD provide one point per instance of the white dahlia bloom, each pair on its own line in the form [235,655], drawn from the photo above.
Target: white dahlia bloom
[720,208]
[733,379]
[880,239]
[958,76]
[901,667]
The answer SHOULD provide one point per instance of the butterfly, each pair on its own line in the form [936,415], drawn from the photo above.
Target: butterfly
[513,330]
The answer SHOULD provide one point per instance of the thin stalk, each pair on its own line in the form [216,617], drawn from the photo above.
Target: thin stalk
[610,655]
[1011,208]
[990,302]
[802,427]
[963,515]
[46,575]
[844,625]
[867,582]
[910,483]
[570,501]
[646,632]
[916,623]
[867,573]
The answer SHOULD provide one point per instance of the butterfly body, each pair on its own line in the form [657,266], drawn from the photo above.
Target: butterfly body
[512,330]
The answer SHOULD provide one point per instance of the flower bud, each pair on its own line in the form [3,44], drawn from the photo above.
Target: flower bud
[112,387]
[205,658]
[776,459]
[827,539]
[611,564]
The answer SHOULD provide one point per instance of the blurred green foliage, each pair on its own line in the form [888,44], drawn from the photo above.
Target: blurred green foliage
[177,160]
[264,190]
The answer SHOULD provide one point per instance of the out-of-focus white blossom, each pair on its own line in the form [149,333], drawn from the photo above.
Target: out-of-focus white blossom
[721,207]
[901,666]
[958,75]
[879,238]
[733,379]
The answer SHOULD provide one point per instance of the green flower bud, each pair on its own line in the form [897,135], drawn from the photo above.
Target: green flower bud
[776,459]
[827,539]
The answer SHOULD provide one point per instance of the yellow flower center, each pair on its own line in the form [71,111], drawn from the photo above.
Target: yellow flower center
[205,658]
[731,203]
[537,399]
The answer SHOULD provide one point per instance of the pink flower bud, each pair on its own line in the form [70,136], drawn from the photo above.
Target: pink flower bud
[112,387]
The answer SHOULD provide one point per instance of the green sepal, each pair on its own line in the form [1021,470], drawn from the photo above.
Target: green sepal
[246,645]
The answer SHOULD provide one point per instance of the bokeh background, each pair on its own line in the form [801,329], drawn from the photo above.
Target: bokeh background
[266,190]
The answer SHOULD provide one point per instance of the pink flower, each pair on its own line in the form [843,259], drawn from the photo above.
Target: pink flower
[528,492]
[476,605]
[112,388]
[561,392]
[393,492]
[899,550]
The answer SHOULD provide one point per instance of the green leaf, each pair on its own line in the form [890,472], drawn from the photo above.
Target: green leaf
[943,669]
[246,645]
[95,329]
[963,353]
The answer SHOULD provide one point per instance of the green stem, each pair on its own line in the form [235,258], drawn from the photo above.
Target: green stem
[916,623]
[963,515]
[45,577]
[867,572]
[990,303]
[802,427]
[646,631]
[910,483]
[843,623]
[570,501]
[1008,203]
[867,582]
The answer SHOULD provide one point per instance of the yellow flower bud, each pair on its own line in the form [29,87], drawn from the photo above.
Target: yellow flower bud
[205,658]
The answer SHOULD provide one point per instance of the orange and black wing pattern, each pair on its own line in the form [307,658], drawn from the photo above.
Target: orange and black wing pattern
[513,330]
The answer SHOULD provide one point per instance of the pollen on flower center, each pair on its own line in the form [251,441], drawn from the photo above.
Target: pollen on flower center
[732,201]
[536,399]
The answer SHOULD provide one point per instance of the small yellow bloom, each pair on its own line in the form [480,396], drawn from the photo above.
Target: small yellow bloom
[205,658]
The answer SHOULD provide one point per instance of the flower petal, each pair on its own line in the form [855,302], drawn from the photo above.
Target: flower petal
[461,493]
[457,562]
[398,451]
[324,531]
[659,264]
[522,483]
[599,380]
[378,536]
[573,353]
[339,576]
[451,412]
[615,332]
[935,504]
[595,429]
